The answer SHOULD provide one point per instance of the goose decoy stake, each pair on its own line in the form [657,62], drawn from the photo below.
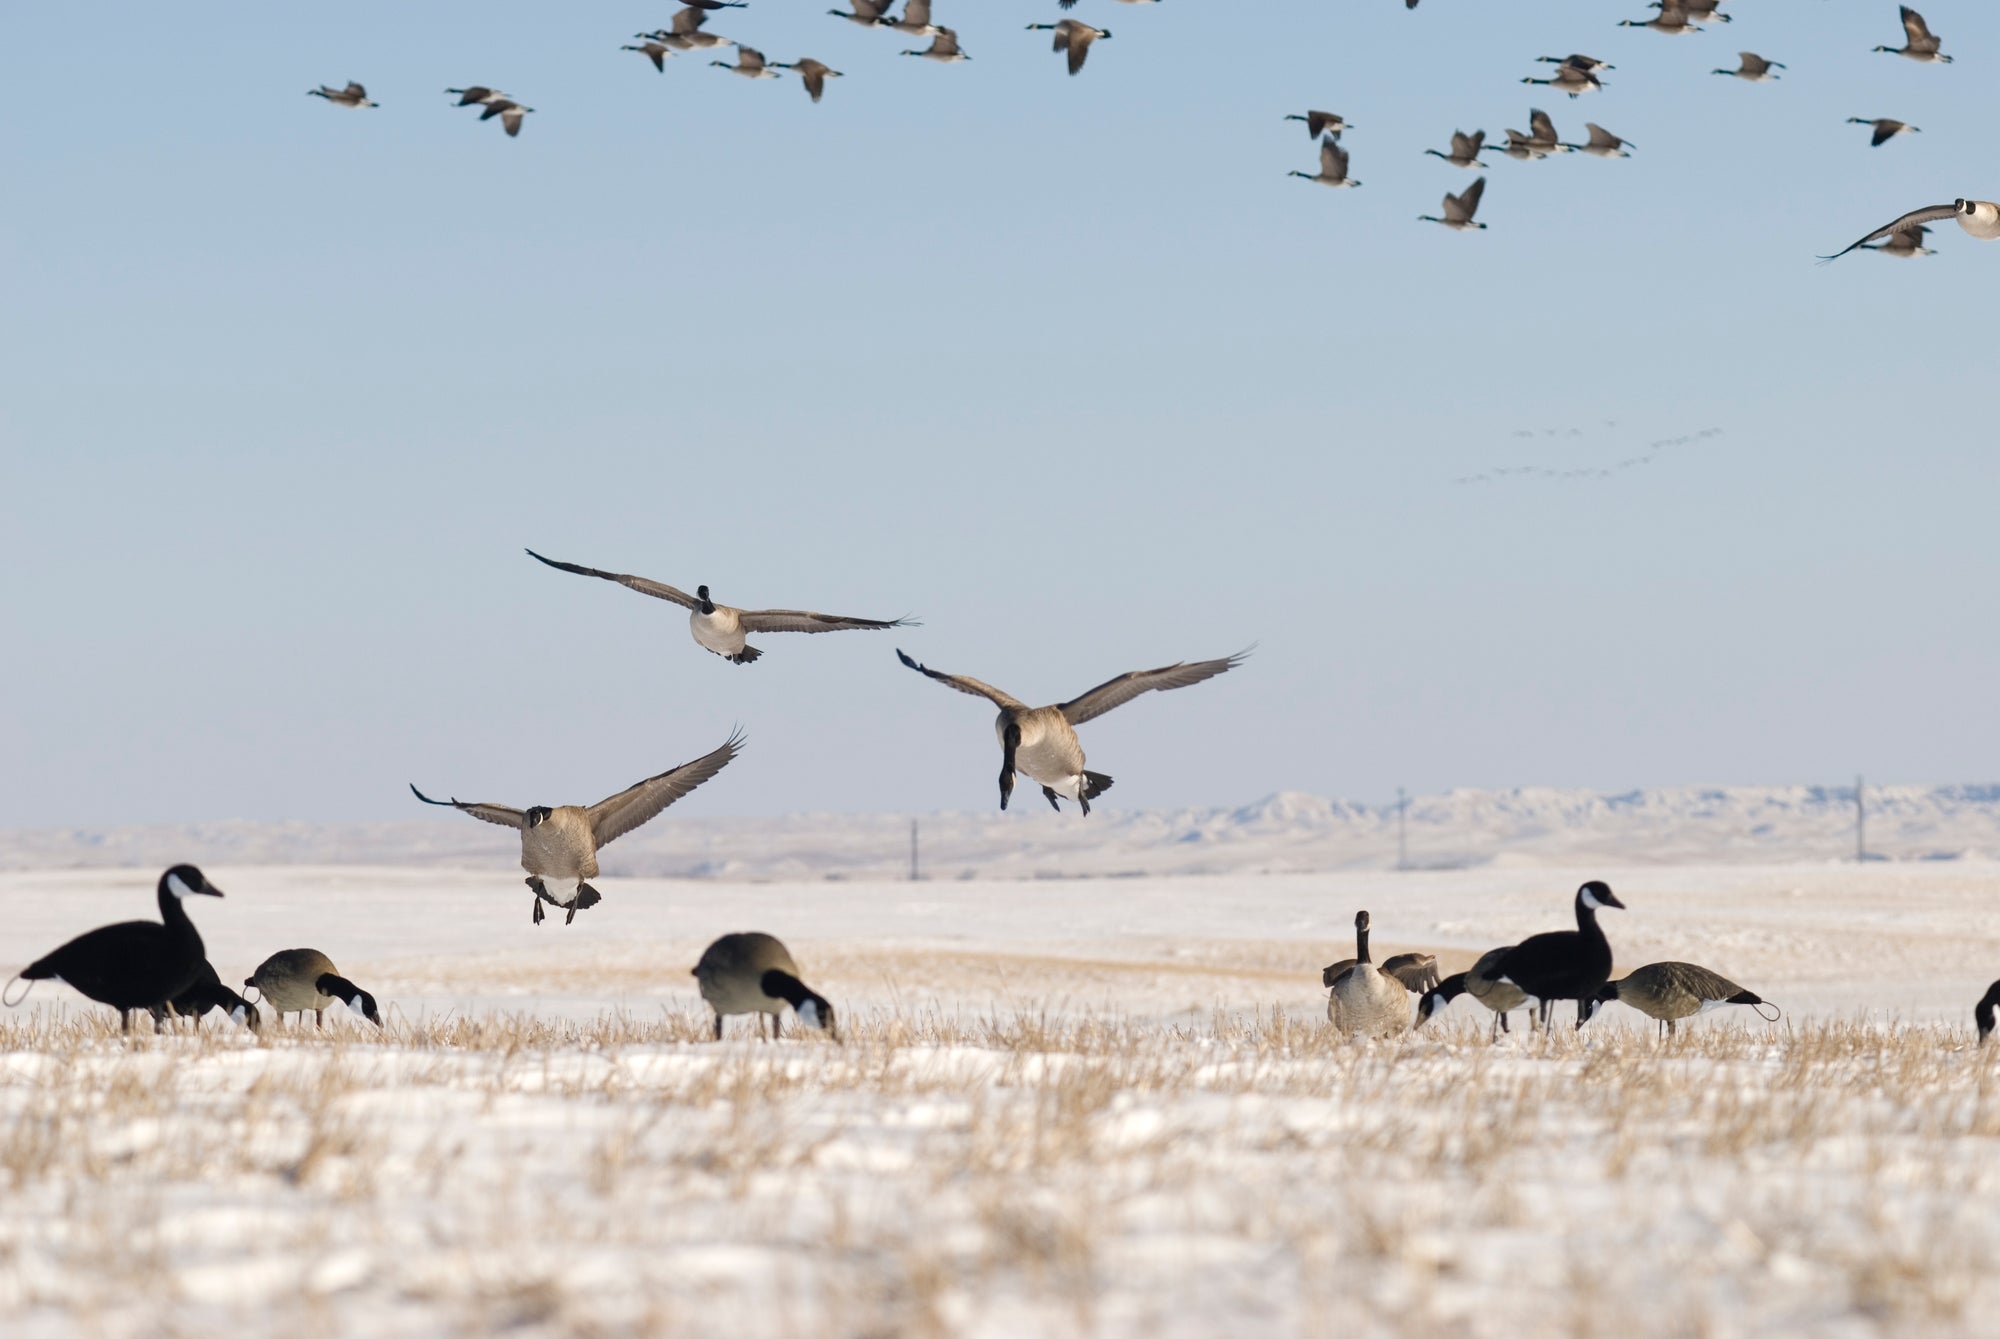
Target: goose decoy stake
[1980,218]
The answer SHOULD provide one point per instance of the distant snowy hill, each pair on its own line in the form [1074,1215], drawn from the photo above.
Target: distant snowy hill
[1286,832]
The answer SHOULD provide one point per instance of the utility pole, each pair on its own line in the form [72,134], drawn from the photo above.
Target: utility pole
[913,850]
[1860,825]
[1402,829]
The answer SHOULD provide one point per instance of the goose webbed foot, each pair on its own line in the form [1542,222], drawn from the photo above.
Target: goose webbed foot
[1053,797]
[538,911]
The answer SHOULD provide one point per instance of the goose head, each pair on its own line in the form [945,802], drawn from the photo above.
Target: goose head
[538,815]
[185,881]
[1597,895]
[701,592]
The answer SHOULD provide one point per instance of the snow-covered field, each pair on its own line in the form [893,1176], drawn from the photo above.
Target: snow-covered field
[1100,1106]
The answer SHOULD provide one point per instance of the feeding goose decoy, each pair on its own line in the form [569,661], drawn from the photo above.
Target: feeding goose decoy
[653,50]
[1332,165]
[1671,20]
[1499,997]
[721,628]
[559,845]
[1982,1012]
[1919,43]
[1602,143]
[1670,991]
[1364,1000]
[1042,742]
[1321,123]
[683,32]
[1906,245]
[1886,128]
[1459,209]
[354,95]
[916,20]
[867,13]
[134,964]
[1540,143]
[1569,79]
[1980,218]
[943,47]
[753,973]
[749,63]
[476,96]
[509,112]
[207,993]
[812,72]
[1072,37]
[1563,964]
[1578,61]
[304,980]
[1753,68]
[1465,149]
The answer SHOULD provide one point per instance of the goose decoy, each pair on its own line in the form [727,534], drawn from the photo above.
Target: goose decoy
[1904,244]
[1671,20]
[1321,123]
[1332,165]
[1042,742]
[1577,61]
[753,973]
[1670,991]
[1568,79]
[509,112]
[207,993]
[1364,1000]
[721,628]
[1980,218]
[812,72]
[1459,209]
[354,95]
[749,64]
[1542,142]
[1886,129]
[683,32]
[1602,143]
[477,95]
[1072,37]
[1982,1012]
[1500,997]
[867,13]
[559,845]
[1465,149]
[943,47]
[653,50]
[304,980]
[1563,964]
[1919,43]
[916,21]
[1753,68]
[134,964]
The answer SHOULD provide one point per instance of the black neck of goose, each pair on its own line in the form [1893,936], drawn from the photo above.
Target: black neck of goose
[1982,1014]
[1450,988]
[1361,944]
[1586,921]
[784,986]
[177,922]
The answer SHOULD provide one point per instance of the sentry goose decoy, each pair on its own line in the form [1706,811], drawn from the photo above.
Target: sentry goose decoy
[1563,964]
[1906,245]
[1332,165]
[559,845]
[653,50]
[1500,997]
[721,628]
[509,112]
[1602,143]
[1670,991]
[1459,209]
[1919,44]
[1364,1000]
[1042,742]
[1671,20]
[134,964]
[1980,218]
[943,47]
[749,63]
[1753,68]
[1465,149]
[1886,128]
[867,13]
[814,74]
[916,20]
[1321,123]
[1072,37]
[753,973]
[207,993]
[1982,1012]
[354,95]
[477,95]
[304,980]
[1568,79]
[1578,61]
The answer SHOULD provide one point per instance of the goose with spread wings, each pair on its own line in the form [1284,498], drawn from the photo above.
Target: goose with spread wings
[1981,218]
[722,629]
[559,844]
[1042,742]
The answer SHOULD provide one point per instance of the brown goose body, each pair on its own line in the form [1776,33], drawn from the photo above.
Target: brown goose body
[1501,997]
[1671,991]
[753,973]
[304,980]
[1366,1000]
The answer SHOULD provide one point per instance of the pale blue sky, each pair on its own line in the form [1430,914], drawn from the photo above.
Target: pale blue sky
[287,389]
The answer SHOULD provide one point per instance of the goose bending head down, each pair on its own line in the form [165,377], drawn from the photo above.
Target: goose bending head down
[1500,997]
[1979,218]
[304,980]
[753,973]
[1670,991]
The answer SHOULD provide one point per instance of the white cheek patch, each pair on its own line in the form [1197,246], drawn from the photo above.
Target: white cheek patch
[178,888]
[809,1012]
[238,1015]
[355,1005]
[1590,900]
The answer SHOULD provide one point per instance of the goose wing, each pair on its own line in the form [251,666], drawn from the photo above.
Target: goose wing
[917,13]
[1918,31]
[1117,692]
[1332,159]
[1077,43]
[964,683]
[802,620]
[1466,203]
[687,21]
[1600,138]
[1929,214]
[872,9]
[1417,971]
[356,91]
[659,590]
[485,813]
[1885,130]
[749,58]
[613,818]
[1753,63]
[946,41]
[1544,128]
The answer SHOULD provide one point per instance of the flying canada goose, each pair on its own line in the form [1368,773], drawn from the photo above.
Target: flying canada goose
[1500,997]
[684,32]
[1906,245]
[1539,144]
[721,628]
[752,973]
[1364,1000]
[477,95]
[1332,165]
[1982,1012]
[509,112]
[715,4]
[1072,37]
[749,64]
[1465,149]
[1699,11]
[867,13]
[1321,123]
[354,95]
[1672,20]
[207,993]
[1603,144]
[1981,218]
[304,980]
[813,73]
[1459,209]
[1042,742]
[1919,43]
[1670,991]
[1577,61]
[559,845]
[1569,79]
[133,964]
[1886,129]
[916,20]
[943,47]
[654,50]
[1753,69]
[1563,964]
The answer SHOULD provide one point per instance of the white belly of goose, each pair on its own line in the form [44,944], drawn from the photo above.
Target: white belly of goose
[1050,755]
[720,632]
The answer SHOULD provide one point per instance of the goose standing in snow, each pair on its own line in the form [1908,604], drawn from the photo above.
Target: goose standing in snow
[653,50]
[1500,997]
[1321,123]
[812,73]
[559,845]
[1906,245]
[1568,79]
[753,973]
[1459,209]
[1465,149]
[1753,68]
[1072,37]
[916,20]
[476,96]
[1670,991]
[1332,165]
[1980,218]
[304,980]
[749,64]
[943,48]
[867,13]
[1602,143]
[1919,44]
[1042,742]
[1364,1000]
[509,112]
[354,95]
[1563,964]
[1886,129]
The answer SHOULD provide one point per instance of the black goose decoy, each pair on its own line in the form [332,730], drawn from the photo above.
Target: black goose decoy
[1982,1013]
[207,993]
[1563,964]
[134,964]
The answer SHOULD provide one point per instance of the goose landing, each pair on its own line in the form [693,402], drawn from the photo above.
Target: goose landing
[1980,218]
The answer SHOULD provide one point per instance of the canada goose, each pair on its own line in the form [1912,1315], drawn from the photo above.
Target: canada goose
[1603,144]
[1364,1000]
[1542,142]
[1563,964]
[1904,244]
[1698,11]
[1981,218]
[133,964]
[1569,79]
[1459,209]
[752,973]
[749,64]
[1578,62]
[1672,20]
[559,845]
[1982,1013]
[1501,997]
[1042,742]
[684,32]
[1886,129]
[1669,991]
[1072,37]
[509,112]
[943,47]
[715,4]
[654,50]
[721,628]
[1321,123]
[1919,44]
[812,72]
[354,95]
[207,993]
[1753,68]
[916,20]
[867,13]
[477,95]
[1332,165]
[304,980]
[1465,149]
